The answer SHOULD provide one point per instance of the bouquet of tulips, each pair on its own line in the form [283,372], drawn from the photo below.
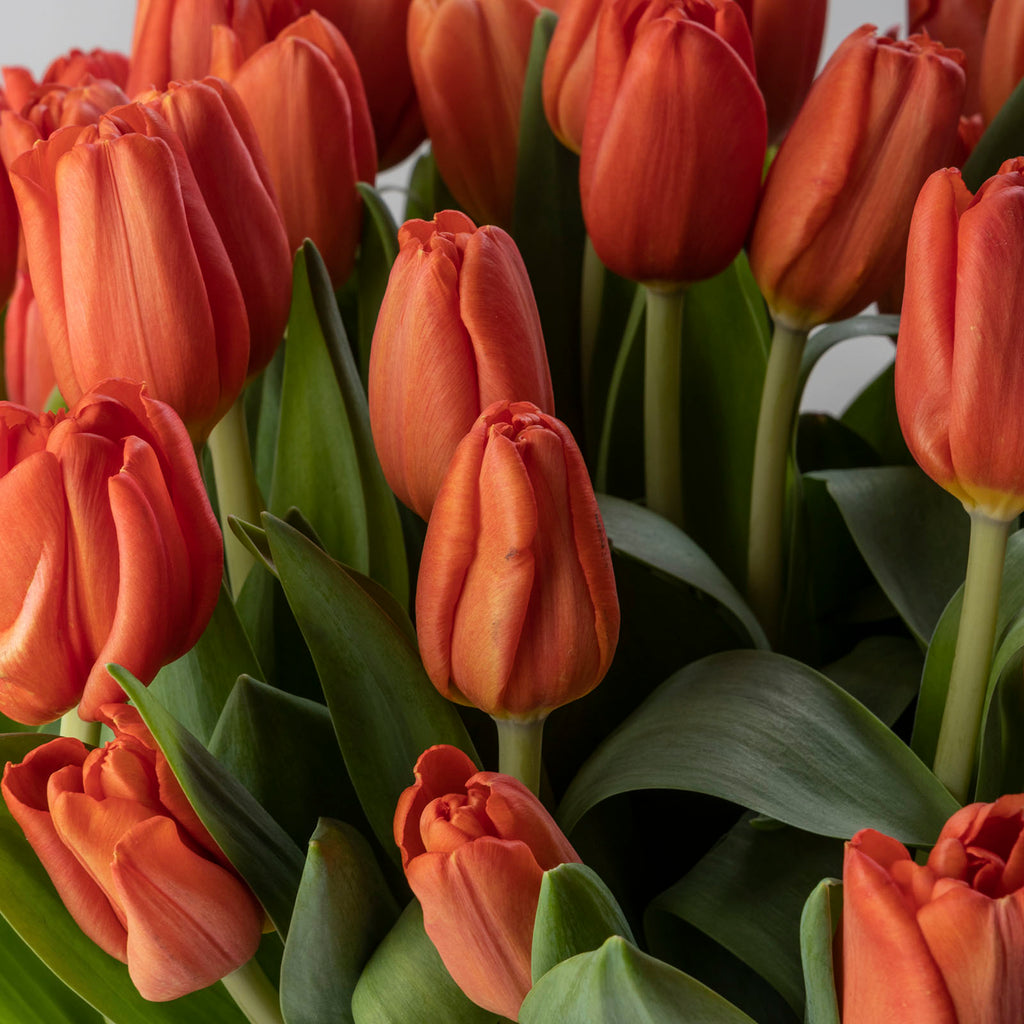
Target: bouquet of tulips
[450,618]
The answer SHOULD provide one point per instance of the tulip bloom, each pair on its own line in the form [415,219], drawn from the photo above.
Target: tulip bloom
[1002,59]
[959,364]
[28,370]
[516,610]
[942,942]
[830,235]
[110,552]
[475,846]
[458,329]
[674,142]
[134,865]
[569,71]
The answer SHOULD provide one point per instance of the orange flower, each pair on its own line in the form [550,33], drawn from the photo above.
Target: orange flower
[569,71]
[111,552]
[133,864]
[942,942]
[959,362]
[516,610]
[830,235]
[674,141]
[458,329]
[475,846]
[1002,57]
[28,371]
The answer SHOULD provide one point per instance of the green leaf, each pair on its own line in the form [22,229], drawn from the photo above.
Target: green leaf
[872,415]
[377,251]
[773,735]
[618,983]
[385,710]
[1001,763]
[653,540]
[864,326]
[575,914]
[818,925]
[30,905]
[912,534]
[344,909]
[406,981]
[1000,142]
[882,672]
[256,845]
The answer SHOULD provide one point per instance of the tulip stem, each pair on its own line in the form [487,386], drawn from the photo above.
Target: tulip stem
[237,492]
[663,362]
[968,678]
[591,292]
[519,747]
[256,997]
[768,486]
[88,732]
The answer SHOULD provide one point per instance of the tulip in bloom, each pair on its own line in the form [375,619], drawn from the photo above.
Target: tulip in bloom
[28,370]
[516,610]
[942,942]
[1002,59]
[132,862]
[475,846]
[569,71]
[674,141]
[110,551]
[959,360]
[458,329]
[830,235]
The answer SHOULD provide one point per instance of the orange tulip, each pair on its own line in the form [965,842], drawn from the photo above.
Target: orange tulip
[959,367]
[134,865]
[9,233]
[307,103]
[942,942]
[111,552]
[458,329]
[830,235]
[469,64]
[674,142]
[1002,57]
[475,846]
[516,610]
[569,71]
[28,370]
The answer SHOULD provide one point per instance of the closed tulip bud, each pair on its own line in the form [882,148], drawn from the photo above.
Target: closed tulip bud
[458,330]
[307,103]
[941,941]
[469,64]
[475,846]
[110,552]
[28,370]
[516,610]
[569,71]
[134,865]
[830,235]
[1002,58]
[959,364]
[674,142]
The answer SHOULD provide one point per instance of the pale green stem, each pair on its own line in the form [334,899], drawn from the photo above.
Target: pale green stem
[87,732]
[519,747]
[662,423]
[768,485]
[256,997]
[968,679]
[591,292]
[237,492]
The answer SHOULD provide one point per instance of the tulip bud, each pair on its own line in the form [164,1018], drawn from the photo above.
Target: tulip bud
[940,941]
[516,610]
[1002,58]
[475,846]
[569,71]
[28,370]
[674,142]
[959,370]
[134,865]
[458,329]
[111,552]
[469,61]
[830,236]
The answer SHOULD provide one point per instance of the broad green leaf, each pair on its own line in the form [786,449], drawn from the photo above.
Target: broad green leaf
[864,326]
[653,540]
[773,735]
[575,914]
[872,415]
[377,251]
[344,909]
[912,534]
[385,710]
[882,672]
[406,981]
[32,908]
[1001,141]
[256,845]
[1001,762]
[266,420]
[818,925]
[618,983]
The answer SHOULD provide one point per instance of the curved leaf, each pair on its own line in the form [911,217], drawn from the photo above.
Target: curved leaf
[864,326]
[818,925]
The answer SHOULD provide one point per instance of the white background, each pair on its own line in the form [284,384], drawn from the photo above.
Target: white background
[37,31]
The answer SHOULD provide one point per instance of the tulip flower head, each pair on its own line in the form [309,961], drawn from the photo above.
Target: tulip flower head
[475,846]
[1002,57]
[134,865]
[941,941]
[110,552]
[569,71]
